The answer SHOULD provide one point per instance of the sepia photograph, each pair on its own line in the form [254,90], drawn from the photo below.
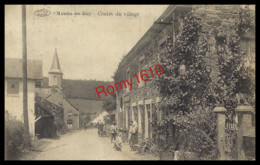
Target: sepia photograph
[129,82]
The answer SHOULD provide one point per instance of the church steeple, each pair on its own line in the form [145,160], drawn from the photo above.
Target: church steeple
[55,67]
[55,73]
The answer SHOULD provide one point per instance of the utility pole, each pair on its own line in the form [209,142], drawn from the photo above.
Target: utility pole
[25,95]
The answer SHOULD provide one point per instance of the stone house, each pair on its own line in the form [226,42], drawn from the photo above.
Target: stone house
[88,109]
[142,102]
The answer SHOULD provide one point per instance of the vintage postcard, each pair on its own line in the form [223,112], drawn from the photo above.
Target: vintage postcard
[130,82]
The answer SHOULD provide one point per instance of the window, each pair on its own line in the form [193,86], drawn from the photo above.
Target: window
[248,45]
[128,78]
[162,42]
[55,80]
[69,113]
[173,35]
[60,104]
[149,120]
[70,121]
[37,84]
[162,45]
[135,113]
[13,87]
[141,67]
[121,102]
[251,51]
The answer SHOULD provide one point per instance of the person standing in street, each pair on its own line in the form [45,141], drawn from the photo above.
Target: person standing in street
[98,127]
[133,134]
[113,132]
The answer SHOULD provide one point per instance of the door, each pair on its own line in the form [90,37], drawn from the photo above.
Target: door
[135,113]
[154,122]
[142,120]
[129,116]
[149,120]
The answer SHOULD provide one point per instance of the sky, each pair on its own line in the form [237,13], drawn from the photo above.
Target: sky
[88,47]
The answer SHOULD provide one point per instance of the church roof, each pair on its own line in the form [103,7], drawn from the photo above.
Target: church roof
[55,67]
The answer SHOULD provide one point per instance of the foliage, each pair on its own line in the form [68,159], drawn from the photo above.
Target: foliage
[188,156]
[82,89]
[186,79]
[234,78]
[15,141]
[186,87]
[145,146]
[110,105]
[199,127]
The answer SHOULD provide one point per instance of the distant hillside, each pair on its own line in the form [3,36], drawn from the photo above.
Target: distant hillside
[81,89]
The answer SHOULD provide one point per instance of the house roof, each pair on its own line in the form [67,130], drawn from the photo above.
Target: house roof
[55,67]
[57,97]
[14,68]
[71,104]
[154,30]
[87,106]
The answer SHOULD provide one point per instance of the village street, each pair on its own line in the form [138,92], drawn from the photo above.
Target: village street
[84,145]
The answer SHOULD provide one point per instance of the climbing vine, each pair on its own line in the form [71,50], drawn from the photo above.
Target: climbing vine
[234,79]
[185,86]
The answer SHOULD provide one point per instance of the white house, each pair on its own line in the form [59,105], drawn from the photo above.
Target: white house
[14,88]
[100,118]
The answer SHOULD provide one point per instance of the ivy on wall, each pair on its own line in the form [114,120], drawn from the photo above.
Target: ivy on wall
[234,79]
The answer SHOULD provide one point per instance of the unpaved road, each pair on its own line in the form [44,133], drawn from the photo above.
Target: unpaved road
[84,145]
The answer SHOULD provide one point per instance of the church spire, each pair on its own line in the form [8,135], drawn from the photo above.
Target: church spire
[55,67]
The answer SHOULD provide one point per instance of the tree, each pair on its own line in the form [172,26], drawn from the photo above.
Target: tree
[110,105]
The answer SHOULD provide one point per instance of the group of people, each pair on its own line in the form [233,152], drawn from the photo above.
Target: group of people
[116,138]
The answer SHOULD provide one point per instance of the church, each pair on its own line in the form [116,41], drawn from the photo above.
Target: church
[53,93]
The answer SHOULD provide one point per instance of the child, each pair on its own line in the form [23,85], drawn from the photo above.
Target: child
[118,142]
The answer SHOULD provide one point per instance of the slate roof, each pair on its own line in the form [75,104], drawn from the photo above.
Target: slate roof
[14,68]
[42,92]
[55,67]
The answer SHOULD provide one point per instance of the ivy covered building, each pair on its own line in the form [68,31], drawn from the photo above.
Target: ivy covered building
[143,102]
